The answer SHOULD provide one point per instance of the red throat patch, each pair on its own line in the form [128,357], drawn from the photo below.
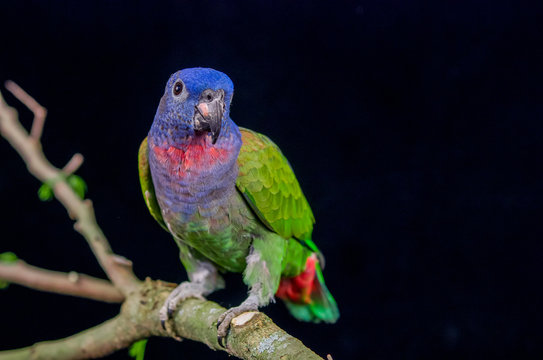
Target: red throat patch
[196,157]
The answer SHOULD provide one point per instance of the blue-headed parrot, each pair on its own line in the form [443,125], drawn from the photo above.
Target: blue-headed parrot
[231,201]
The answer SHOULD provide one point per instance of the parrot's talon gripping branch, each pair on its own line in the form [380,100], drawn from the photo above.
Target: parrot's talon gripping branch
[225,320]
[184,291]
[168,327]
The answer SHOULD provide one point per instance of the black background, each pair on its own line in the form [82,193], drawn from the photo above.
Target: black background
[414,128]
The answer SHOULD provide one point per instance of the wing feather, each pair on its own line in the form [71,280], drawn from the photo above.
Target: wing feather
[147,187]
[269,185]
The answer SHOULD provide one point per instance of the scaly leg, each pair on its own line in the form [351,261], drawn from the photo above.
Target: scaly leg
[262,275]
[204,279]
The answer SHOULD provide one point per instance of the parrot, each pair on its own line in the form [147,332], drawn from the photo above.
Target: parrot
[230,200]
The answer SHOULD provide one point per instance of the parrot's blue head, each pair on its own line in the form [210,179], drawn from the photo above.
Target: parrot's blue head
[196,102]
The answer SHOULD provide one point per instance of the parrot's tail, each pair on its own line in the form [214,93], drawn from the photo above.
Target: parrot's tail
[306,295]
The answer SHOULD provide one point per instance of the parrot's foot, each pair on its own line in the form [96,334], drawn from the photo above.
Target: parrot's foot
[184,291]
[223,323]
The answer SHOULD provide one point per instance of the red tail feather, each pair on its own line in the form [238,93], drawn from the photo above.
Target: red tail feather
[298,289]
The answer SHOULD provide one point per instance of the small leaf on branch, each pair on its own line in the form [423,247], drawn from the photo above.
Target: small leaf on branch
[137,349]
[7,258]
[45,192]
[3,284]
[78,185]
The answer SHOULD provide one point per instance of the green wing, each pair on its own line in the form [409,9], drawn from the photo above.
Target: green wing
[147,187]
[269,185]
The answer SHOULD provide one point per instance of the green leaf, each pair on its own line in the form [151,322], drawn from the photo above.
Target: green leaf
[78,185]
[137,350]
[8,258]
[45,192]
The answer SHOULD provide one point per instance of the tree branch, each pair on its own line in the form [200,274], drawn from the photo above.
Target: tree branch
[252,335]
[99,341]
[71,283]
[117,268]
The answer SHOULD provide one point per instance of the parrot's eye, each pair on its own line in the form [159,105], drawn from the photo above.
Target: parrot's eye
[177,88]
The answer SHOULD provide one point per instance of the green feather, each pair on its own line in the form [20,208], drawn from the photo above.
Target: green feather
[269,186]
[147,187]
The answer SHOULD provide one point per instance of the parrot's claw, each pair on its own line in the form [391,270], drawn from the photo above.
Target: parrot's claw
[223,323]
[184,291]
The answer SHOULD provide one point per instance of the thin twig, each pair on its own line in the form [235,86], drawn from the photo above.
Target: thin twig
[39,111]
[74,164]
[30,149]
[71,283]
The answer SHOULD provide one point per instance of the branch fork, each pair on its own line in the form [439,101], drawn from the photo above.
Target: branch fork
[252,335]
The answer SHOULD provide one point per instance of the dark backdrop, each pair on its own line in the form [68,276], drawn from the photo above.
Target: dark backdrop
[414,128]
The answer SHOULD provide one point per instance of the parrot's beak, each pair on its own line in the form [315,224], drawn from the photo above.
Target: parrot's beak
[209,113]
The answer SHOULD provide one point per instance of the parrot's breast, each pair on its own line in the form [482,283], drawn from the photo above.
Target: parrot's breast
[224,238]
[193,177]
[195,186]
